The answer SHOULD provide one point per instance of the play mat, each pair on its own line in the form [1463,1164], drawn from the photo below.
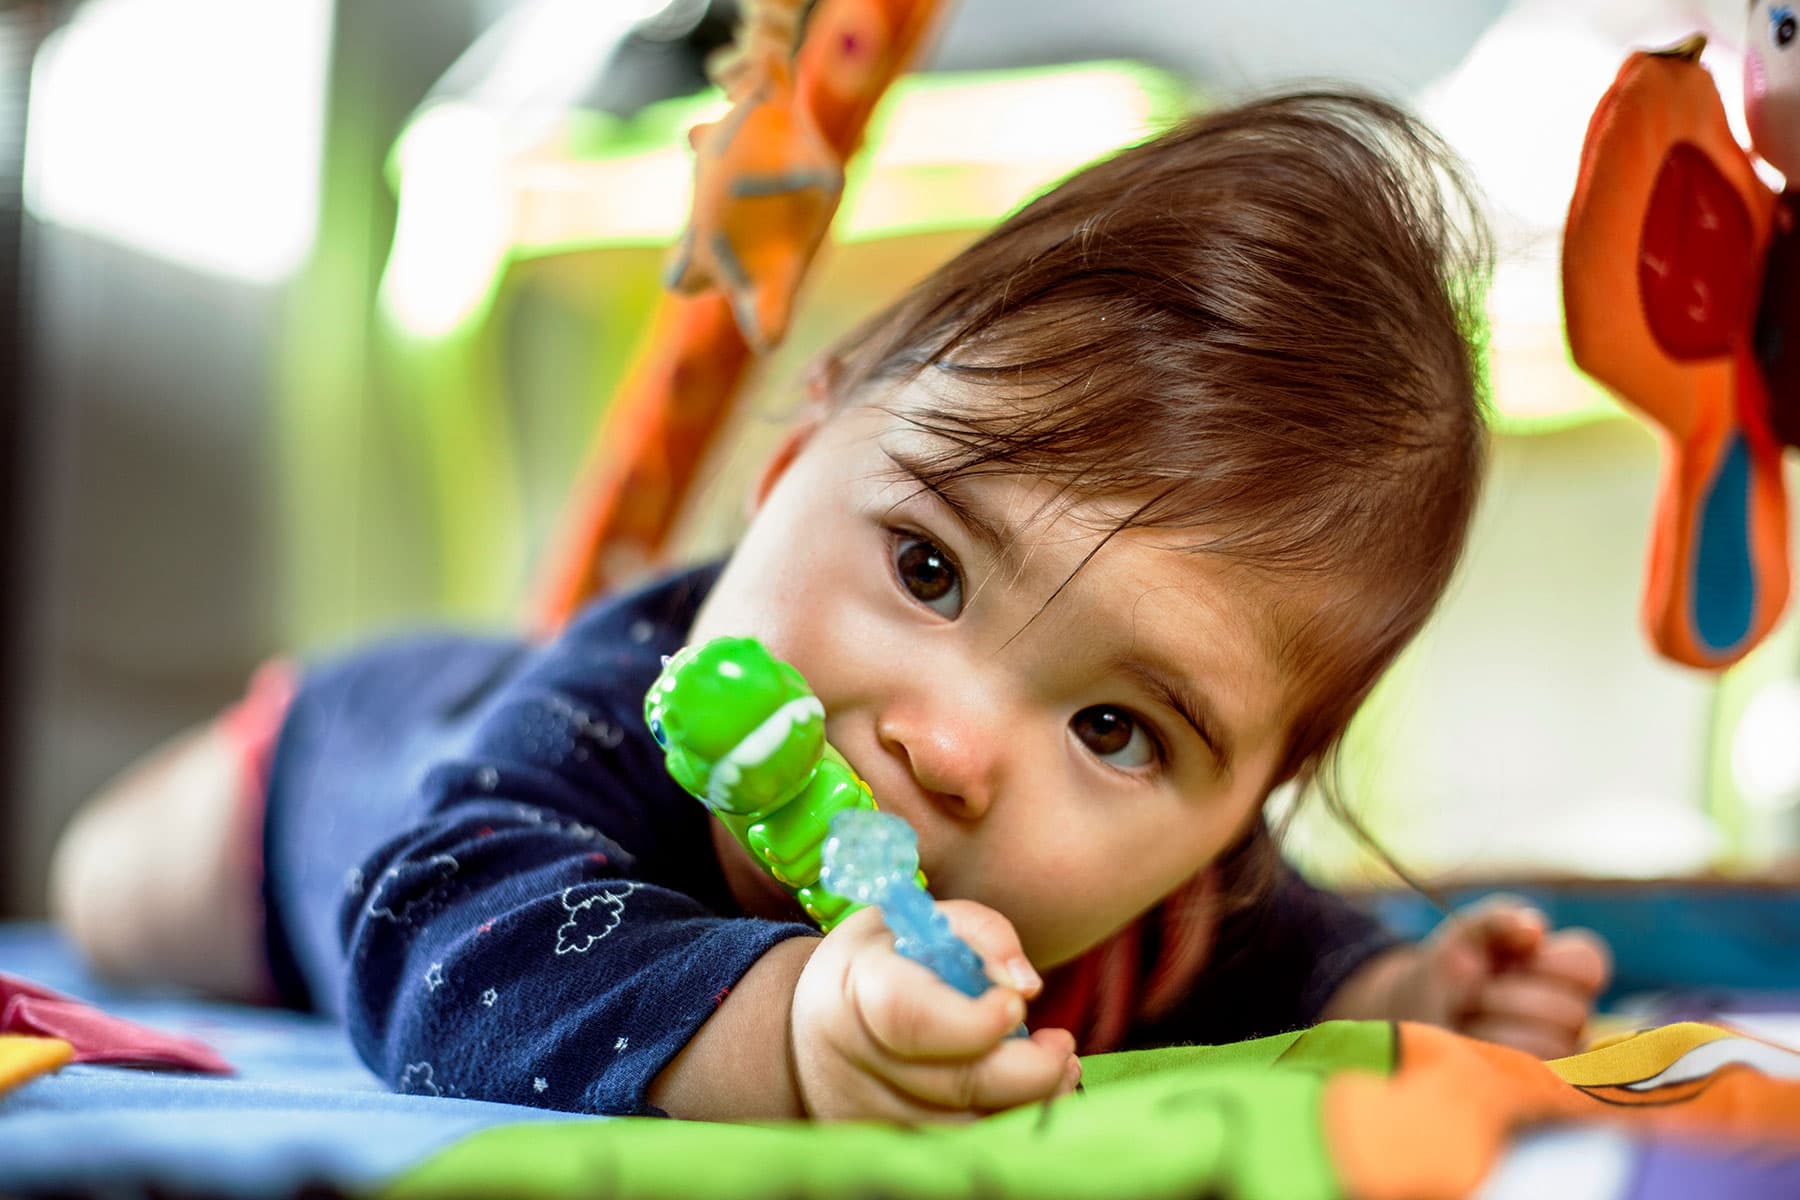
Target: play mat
[1345,1109]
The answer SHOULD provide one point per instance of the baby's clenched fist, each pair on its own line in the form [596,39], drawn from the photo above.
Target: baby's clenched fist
[877,1036]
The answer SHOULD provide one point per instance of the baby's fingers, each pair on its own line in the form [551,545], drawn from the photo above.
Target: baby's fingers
[1018,1071]
[1498,926]
[1534,1000]
[993,937]
[1533,1037]
[909,1013]
[1578,957]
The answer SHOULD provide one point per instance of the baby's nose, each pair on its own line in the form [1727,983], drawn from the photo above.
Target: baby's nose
[955,763]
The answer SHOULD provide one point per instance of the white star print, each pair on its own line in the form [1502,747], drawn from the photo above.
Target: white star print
[488,997]
[434,976]
[539,1084]
[621,1043]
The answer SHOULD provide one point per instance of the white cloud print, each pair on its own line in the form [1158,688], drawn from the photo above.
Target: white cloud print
[591,919]
[416,1080]
[428,883]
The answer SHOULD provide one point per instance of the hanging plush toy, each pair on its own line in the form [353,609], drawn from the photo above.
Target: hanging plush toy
[768,177]
[1681,287]
[765,183]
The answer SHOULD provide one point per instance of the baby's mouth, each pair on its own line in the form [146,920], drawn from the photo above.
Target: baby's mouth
[885,803]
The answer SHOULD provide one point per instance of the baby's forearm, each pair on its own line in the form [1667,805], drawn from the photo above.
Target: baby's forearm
[1493,971]
[737,1066]
[1373,992]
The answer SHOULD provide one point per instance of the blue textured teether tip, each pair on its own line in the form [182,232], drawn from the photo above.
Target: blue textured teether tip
[867,853]
[872,857]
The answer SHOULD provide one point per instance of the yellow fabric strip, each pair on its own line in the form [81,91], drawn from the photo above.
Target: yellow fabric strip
[1635,1056]
[23,1058]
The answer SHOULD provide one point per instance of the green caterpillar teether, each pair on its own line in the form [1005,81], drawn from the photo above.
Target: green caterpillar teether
[743,733]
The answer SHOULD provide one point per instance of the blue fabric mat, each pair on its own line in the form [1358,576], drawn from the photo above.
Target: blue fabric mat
[1665,937]
[301,1111]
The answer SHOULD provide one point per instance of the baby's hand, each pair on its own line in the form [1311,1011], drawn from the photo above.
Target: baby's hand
[878,1036]
[1495,971]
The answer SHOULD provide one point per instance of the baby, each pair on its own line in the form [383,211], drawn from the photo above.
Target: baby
[1087,544]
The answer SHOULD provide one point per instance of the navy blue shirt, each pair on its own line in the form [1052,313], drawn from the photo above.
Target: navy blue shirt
[474,857]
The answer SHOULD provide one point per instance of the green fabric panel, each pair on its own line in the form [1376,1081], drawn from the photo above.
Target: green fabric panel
[1103,1070]
[1345,1046]
[1235,1121]
[1331,1046]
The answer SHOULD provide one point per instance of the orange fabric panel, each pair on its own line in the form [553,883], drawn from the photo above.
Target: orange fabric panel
[1437,1125]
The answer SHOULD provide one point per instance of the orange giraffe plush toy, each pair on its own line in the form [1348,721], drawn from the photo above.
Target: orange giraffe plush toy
[765,184]
[767,181]
[1681,290]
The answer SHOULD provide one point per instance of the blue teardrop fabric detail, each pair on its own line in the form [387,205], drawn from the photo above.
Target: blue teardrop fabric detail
[1724,582]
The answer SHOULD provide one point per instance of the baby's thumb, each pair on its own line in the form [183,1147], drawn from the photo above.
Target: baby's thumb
[993,937]
[1465,951]
[1502,928]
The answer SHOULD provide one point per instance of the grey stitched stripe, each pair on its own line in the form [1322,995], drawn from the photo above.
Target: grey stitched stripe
[791,181]
[737,288]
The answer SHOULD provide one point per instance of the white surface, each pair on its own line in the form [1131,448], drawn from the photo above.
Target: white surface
[1589,1163]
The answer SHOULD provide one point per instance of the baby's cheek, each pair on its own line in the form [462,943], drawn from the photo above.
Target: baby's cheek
[1073,906]
[1062,937]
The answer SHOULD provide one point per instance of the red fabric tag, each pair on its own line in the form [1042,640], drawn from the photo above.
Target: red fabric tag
[99,1037]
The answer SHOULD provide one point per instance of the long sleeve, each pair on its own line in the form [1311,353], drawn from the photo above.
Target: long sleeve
[545,923]
[509,951]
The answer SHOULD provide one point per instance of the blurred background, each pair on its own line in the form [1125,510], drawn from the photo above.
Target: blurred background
[308,310]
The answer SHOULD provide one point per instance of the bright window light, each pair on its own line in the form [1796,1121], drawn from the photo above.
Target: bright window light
[944,151]
[542,55]
[450,234]
[1765,753]
[458,201]
[187,129]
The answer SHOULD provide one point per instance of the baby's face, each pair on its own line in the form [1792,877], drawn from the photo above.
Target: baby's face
[1068,767]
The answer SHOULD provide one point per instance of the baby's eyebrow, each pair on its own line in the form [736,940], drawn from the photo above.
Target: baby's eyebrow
[1192,706]
[999,541]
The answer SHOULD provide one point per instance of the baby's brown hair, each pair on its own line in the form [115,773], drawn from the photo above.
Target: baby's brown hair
[1261,327]
[1259,323]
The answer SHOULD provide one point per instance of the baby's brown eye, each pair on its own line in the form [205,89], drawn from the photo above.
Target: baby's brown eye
[1109,731]
[928,575]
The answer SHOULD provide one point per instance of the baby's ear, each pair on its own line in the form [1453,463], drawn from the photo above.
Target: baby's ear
[819,393]
[788,449]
